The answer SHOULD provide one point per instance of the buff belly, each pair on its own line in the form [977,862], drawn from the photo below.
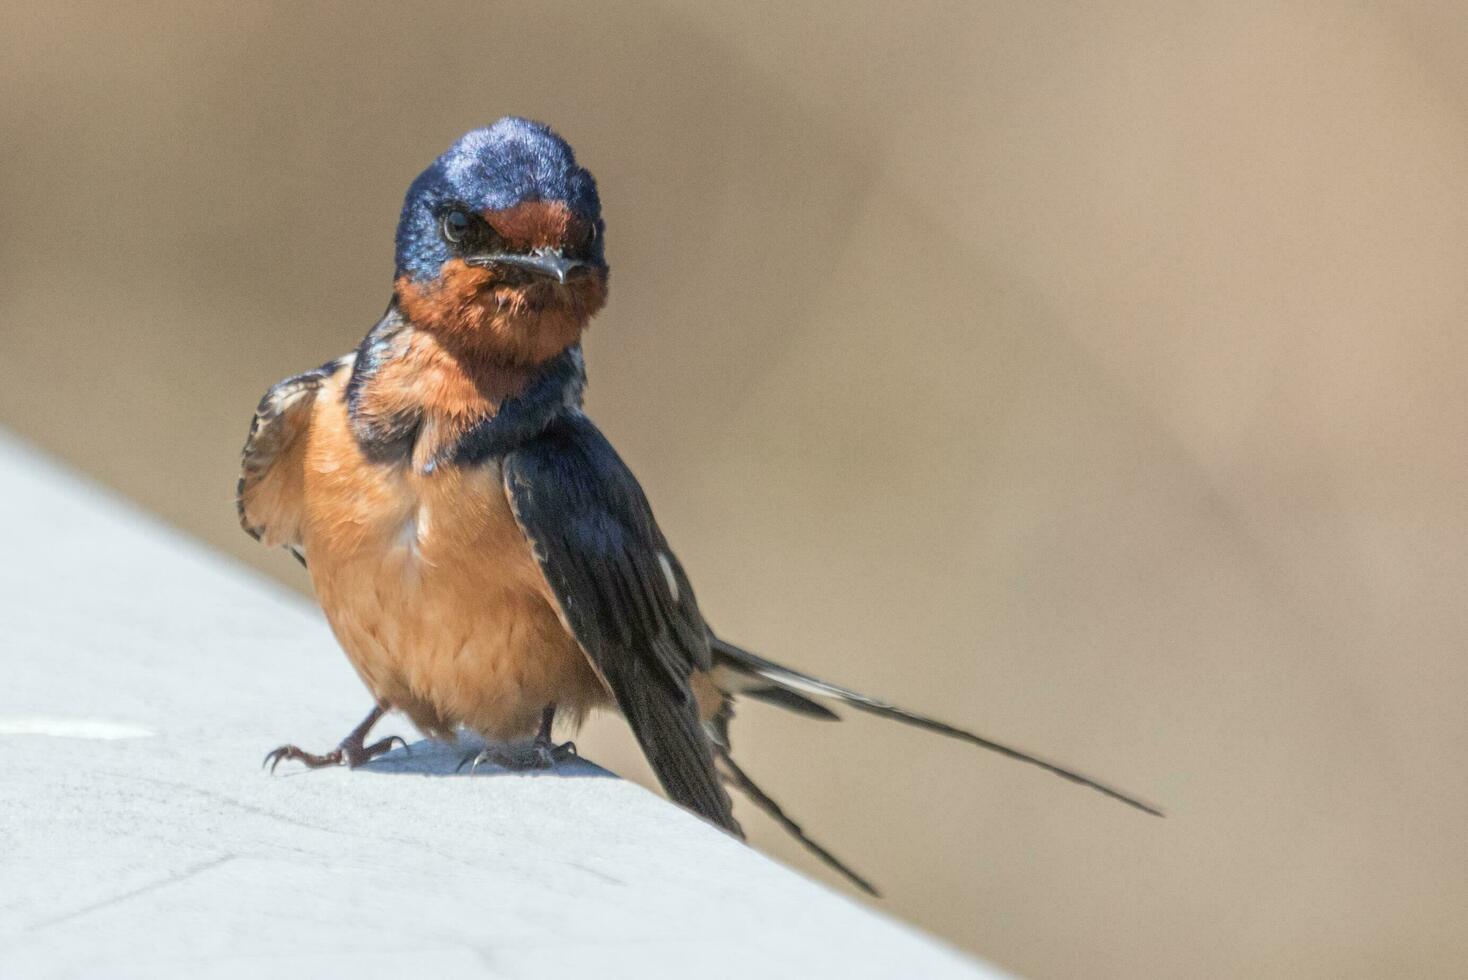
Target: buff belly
[432,590]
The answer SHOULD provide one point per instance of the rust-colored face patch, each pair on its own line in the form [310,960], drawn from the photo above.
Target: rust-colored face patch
[538,224]
[504,314]
[512,322]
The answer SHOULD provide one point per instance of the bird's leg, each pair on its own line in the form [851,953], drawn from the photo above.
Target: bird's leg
[544,753]
[352,751]
[547,752]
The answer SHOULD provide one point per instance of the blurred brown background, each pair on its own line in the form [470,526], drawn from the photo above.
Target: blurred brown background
[1090,375]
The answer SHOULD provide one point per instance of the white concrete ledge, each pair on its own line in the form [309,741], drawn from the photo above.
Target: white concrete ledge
[144,679]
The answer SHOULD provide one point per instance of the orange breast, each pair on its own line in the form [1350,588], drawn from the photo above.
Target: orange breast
[432,590]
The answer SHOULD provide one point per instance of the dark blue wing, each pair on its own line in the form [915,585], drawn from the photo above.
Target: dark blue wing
[624,596]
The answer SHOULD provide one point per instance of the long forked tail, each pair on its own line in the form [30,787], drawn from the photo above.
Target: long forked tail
[753,676]
[740,780]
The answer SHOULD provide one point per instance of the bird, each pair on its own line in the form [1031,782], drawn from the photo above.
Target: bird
[484,557]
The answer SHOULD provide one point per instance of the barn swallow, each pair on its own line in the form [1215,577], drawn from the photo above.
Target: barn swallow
[483,555]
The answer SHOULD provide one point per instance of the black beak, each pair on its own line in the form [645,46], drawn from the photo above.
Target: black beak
[547,262]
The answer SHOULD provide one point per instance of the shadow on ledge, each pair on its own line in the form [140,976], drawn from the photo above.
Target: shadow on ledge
[431,757]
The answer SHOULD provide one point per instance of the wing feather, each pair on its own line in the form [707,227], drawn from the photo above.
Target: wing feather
[270,486]
[624,596]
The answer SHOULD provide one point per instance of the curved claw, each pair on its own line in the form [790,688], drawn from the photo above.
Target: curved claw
[548,753]
[276,756]
[359,755]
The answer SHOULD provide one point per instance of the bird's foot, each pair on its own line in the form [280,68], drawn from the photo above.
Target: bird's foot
[544,749]
[495,755]
[541,754]
[349,753]
[548,753]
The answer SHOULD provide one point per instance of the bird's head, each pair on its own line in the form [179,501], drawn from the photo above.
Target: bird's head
[499,248]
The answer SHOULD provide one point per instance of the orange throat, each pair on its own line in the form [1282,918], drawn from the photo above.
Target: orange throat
[425,395]
[484,319]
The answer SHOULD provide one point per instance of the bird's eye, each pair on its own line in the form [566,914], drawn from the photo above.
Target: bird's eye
[588,241]
[456,225]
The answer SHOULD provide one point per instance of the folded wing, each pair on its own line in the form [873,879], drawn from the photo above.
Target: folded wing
[624,596]
[269,496]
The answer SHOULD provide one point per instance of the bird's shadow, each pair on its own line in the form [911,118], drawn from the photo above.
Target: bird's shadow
[432,757]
